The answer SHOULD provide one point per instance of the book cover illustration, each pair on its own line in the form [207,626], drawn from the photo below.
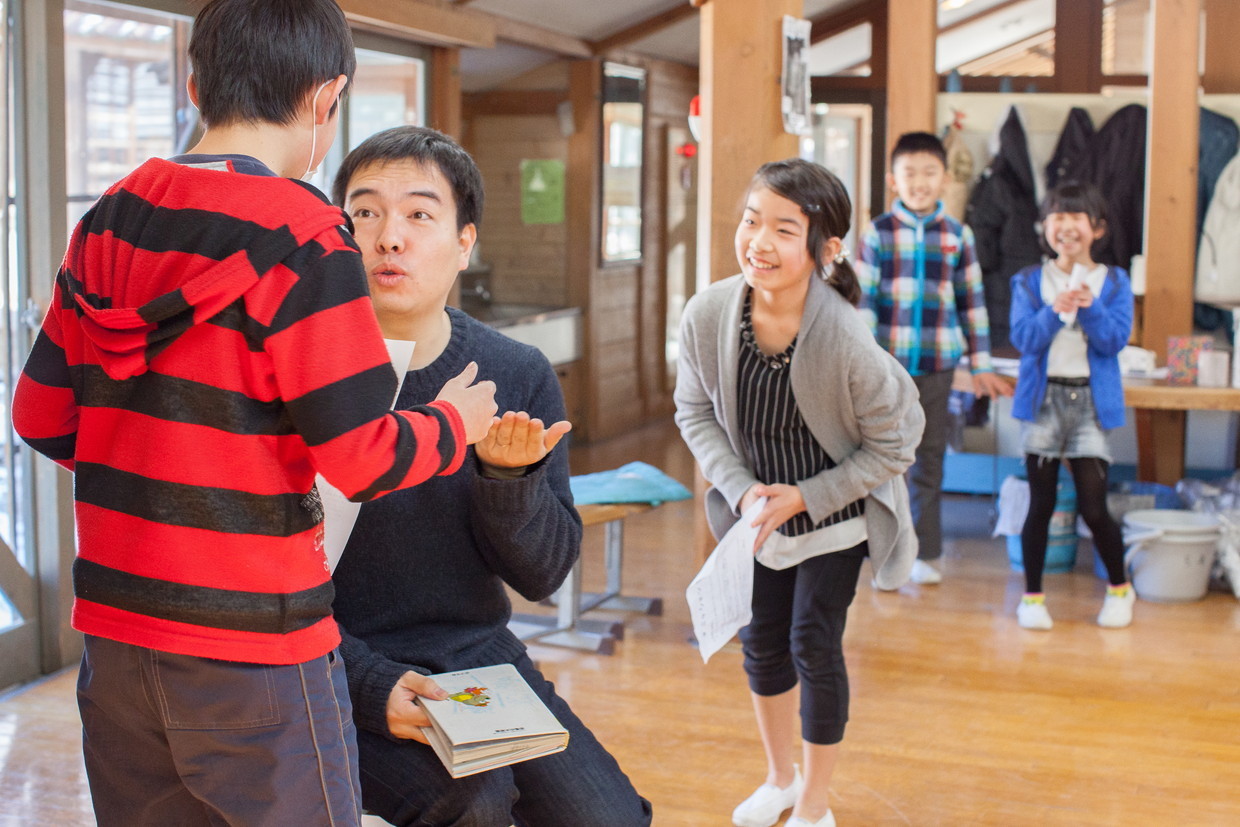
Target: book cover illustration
[490,718]
[472,696]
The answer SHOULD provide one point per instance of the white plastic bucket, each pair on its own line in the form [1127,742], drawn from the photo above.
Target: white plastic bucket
[1170,553]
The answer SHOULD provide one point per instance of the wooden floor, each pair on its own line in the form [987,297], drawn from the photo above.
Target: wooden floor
[959,717]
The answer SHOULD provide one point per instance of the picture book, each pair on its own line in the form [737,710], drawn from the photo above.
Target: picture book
[491,718]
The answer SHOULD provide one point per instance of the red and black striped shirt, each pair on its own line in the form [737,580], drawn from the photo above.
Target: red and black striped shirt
[209,347]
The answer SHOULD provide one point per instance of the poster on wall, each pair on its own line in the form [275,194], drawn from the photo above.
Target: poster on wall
[542,191]
[794,101]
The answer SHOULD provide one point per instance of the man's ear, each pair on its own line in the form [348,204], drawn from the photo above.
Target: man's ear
[468,235]
[191,86]
[891,182]
[325,99]
[1100,229]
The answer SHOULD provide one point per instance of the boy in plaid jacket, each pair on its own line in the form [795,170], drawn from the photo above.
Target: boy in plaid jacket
[921,293]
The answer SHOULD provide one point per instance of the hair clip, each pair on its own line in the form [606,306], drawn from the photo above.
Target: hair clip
[842,255]
[812,208]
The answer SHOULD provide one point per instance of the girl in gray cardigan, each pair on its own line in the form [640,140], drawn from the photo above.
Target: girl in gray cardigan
[783,394]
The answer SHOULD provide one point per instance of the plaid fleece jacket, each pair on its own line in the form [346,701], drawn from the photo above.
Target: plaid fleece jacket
[921,290]
[210,344]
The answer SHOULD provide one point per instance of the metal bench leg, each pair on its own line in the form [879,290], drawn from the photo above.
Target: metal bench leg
[568,628]
[612,599]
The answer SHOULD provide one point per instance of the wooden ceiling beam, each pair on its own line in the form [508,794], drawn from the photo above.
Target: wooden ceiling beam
[645,28]
[453,25]
[536,37]
[423,21]
[832,23]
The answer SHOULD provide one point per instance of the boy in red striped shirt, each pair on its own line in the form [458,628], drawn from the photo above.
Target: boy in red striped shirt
[209,347]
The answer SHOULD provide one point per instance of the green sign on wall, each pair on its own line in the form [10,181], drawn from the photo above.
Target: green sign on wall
[542,192]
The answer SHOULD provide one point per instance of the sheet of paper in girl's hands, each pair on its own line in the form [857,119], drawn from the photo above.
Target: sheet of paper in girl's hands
[721,594]
[339,514]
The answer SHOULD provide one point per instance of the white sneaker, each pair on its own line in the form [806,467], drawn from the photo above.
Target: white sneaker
[1117,610]
[767,804]
[1033,616]
[924,574]
[826,821]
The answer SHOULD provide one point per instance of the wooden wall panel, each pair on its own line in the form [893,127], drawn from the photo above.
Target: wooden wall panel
[529,263]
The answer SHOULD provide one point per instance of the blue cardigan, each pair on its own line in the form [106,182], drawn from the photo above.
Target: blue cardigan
[1107,324]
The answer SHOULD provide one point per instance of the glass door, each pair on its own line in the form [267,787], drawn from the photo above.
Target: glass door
[842,139]
[19,641]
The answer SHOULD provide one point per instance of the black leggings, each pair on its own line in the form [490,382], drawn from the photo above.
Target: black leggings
[1089,474]
[797,633]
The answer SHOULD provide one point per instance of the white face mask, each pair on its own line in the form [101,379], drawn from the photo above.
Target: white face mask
[314,132]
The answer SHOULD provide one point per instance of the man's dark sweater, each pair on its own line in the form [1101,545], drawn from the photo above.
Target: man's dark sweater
[421,582]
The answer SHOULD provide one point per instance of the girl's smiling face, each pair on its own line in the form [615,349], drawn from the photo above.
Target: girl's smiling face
[1071,235]
[771,244]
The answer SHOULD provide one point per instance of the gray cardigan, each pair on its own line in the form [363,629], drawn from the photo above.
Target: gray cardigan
[856,399]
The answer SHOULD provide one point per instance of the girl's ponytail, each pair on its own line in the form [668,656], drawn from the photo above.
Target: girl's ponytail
[844,279]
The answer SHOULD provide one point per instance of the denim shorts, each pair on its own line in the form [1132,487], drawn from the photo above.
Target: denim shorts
[1066,426]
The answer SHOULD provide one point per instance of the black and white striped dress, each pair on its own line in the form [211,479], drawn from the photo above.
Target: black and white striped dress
[777,440]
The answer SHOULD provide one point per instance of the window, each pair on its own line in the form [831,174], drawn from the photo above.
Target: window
[389,89]
[125,97]
[1125,37]
[842,134]
[623,121]
[16,546]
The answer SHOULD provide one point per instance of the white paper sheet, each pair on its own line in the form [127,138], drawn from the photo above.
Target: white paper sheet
[1075,280]
[721,594]
[339,514]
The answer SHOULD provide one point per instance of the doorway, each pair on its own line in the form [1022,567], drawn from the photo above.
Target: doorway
[680,239]
[843,134]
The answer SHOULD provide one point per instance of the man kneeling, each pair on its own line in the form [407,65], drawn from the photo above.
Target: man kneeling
[420,588]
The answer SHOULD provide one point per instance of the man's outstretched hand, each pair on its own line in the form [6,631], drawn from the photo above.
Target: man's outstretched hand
[515,440]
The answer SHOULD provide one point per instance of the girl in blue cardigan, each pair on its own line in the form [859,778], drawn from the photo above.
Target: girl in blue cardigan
[1070,318]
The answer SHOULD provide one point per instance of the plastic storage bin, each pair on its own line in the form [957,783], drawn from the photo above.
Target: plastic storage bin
[1171,553]
[1124,497]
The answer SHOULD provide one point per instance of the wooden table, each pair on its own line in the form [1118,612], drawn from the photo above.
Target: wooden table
[1161,414]
[567,627]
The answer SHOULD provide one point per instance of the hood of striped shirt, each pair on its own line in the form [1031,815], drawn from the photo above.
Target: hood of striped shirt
[161,251]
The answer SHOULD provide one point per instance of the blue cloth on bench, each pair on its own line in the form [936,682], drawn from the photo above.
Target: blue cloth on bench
[636,482]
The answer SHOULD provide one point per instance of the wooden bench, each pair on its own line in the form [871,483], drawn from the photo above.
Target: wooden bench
[567,627]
